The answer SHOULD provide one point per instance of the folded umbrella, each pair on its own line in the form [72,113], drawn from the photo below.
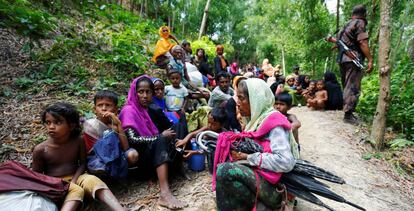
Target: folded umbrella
[307,183]
[305,195]
[305,167]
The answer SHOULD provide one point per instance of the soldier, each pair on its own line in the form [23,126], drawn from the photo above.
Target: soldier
[355,37]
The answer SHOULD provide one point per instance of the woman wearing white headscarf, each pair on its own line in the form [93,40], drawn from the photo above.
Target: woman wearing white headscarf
[241,187]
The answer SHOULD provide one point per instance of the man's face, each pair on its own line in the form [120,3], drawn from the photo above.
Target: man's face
[224,84]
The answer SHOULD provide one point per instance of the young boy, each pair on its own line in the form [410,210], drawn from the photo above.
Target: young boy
[63,155]
[216,121]
[321,96]
[176,95]
[283,103]
[105,108]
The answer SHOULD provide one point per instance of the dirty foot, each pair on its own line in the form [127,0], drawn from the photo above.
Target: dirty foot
[170,202]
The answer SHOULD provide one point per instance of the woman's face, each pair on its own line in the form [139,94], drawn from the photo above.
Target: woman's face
[144,93]
[200,53]
[243,102]
[307,80]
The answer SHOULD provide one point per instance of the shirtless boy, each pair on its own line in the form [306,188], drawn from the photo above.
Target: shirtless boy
[321,96]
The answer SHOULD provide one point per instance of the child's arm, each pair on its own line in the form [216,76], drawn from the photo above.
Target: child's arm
[182,143]
[184,104]
[82,161]
[38,163]
[324,95]
[295,122]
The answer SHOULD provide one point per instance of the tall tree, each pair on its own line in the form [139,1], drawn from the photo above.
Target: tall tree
[204,21]
[380,117]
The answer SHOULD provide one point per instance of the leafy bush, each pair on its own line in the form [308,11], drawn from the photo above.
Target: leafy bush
[401,109]
[26,19]
[210,48]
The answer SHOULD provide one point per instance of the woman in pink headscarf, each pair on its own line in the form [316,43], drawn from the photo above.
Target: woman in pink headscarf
[234,69]
[143,135]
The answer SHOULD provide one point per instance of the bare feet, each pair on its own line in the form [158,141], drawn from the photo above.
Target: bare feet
[169,201]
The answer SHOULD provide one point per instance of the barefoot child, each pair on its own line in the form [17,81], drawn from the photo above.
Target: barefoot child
[63,155]
[321,96]
[176,95]
[105,108]
[216,121]
[283,103]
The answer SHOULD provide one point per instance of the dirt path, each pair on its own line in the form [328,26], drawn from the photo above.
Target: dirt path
[325,141]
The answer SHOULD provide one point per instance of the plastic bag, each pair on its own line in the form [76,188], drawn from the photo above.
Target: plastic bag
[25,200]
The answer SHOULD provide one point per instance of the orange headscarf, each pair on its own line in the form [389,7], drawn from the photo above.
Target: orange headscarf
[163,45]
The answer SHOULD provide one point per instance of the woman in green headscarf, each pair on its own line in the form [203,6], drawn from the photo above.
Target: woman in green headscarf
[242,187]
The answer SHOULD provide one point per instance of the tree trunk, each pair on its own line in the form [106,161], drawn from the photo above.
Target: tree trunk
[283,61]
[338,2]
[204,21]
[380,117]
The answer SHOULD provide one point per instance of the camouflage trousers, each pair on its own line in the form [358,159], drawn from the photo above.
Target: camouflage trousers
[351,77]
[236,189]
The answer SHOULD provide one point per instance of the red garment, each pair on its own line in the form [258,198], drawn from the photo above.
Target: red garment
[14,176]
[225,139]
[89,142]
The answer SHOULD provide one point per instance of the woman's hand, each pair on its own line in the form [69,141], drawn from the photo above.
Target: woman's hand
[189,153]
[181,143]
[238,155]
[169,134]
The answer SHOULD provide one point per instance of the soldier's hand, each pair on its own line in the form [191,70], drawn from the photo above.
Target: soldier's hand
[369,68]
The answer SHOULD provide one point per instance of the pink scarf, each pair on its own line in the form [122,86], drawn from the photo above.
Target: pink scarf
[225,139]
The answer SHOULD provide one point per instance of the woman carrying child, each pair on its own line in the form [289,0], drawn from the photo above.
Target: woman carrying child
[154,147]
[240,186]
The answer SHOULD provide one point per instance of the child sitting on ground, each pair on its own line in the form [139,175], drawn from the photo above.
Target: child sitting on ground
[321,96]
[176,95]
[216,120]
[105,108]
[283,103]
[309,93]
[63,155]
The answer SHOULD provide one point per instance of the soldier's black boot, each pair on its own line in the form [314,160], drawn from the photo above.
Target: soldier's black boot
[350,118]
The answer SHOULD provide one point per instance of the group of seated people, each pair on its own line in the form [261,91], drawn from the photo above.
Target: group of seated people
[151,131]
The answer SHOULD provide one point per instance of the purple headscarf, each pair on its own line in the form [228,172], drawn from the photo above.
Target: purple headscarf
[134,116]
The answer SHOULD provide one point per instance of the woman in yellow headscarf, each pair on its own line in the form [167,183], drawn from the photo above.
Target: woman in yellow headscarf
[162,54]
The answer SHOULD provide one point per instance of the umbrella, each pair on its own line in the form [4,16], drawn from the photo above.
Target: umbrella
[307,183]
[305,167]
[305,195]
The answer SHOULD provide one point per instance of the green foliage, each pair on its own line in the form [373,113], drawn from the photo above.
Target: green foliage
[26,19]
[376,155]
[24,82]
[400,143]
